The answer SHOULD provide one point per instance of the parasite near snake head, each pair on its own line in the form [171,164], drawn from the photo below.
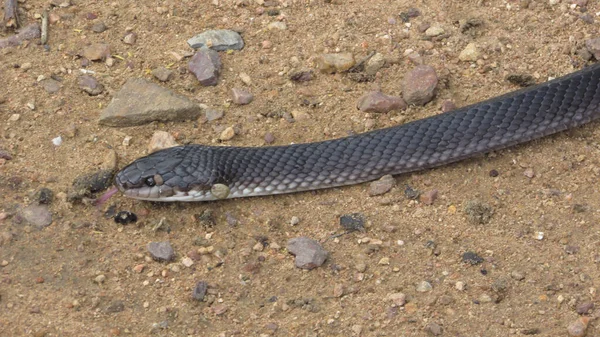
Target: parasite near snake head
[164,176]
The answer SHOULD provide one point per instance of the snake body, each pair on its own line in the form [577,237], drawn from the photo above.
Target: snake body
[191,172]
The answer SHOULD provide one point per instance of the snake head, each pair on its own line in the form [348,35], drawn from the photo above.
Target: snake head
[162,176]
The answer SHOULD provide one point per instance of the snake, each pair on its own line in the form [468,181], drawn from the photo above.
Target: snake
[198,172]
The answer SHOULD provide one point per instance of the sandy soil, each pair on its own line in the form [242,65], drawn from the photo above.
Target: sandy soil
[48,280]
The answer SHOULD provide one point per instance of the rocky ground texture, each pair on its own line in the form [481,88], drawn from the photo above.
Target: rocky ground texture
[503,244]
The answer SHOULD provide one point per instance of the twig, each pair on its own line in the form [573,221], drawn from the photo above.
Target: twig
[44,27]
[11,17]
[28,33]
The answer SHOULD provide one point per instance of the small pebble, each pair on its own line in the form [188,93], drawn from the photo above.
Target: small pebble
[162,74]
[100,279]
[379,102]
[472,258]
[423,287]
[470,53]
[427,198]
[309,253]
[277,25]
[448,105]
[353,222]
[161,251]
[161,140]
[398,299]
[212,114]
[241,96]
[419,84]
[99,27]
[433,329]
[578,328]
[382,186]
[206,66]
[227,134]
[335,63]
[434,31]
[584,307]
[96,52]
[130,38]
[199,291]
[125,217]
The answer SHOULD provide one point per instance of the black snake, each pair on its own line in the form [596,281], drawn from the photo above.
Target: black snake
[198,172]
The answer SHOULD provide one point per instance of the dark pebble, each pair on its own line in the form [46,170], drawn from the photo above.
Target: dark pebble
[200,291]
[522,80]
[125,217]
[472,258]
[494,173]
[116,306]
[87,184]
[584,307]
[411,193]
[587,18]
[353,222]
[44,196]
[302,76]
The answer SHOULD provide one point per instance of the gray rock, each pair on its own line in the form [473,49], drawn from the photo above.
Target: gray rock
[353,222]
[593,46]
[90,85]
[423,287]
[161,251]
[162,74]
[309,253]
[584,307]
[199,291]
[87,184]
[218,39]
[472,258]
[141,102]
[377,101]
[419,85]
[130,38]
[98,27]
[374,64]
[212,114]
[433,329]
[36,215]
[241,96]
[381,186]
[116,306]
[51,85]
[206,65]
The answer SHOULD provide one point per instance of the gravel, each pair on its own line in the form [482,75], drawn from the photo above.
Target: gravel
[161,251]
[419,84]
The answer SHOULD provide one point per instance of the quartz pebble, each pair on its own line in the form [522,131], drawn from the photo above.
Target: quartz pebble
[161,140]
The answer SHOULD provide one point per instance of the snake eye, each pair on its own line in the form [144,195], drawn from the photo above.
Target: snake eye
[149,181]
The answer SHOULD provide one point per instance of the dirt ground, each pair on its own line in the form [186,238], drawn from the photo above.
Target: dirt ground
[84,275]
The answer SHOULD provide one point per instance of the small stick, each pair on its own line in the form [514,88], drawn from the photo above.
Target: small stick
[11,17]
[44,38]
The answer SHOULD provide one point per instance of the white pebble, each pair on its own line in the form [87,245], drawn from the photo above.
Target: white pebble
[57,141]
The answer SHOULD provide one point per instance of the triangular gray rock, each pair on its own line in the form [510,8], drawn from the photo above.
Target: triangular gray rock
[141,102]
[218,39]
